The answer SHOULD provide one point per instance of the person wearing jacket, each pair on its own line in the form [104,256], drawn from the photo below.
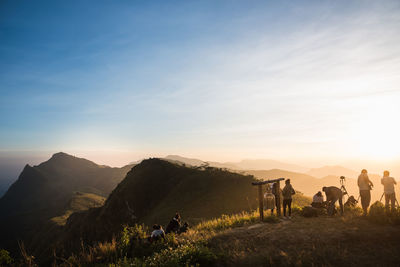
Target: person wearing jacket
[287,193]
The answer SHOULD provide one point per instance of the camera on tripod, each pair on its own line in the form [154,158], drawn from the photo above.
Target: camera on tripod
[342,183]
[342,180]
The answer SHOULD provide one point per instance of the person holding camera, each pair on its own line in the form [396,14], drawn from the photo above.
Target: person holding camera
[365,185]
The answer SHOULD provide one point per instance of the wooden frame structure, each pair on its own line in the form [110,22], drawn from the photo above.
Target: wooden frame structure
[261,196]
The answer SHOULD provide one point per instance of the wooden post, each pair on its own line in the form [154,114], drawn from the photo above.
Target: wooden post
[261,196]
[261,202]
[278,198]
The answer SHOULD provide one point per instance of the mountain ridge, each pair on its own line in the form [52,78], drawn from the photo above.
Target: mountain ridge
[43,191]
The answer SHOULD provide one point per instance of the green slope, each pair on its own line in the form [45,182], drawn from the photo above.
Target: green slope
[79,202]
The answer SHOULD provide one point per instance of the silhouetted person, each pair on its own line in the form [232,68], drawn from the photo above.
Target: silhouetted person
[287,193]
[318,200]
[365,185]
[388,190]
[157,234]
[174,224]
[333,194]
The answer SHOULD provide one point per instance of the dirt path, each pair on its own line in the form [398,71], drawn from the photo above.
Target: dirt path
[319,241]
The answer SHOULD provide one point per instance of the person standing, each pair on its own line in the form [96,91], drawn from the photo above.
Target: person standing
[388,190]
[365,185]
[287,193]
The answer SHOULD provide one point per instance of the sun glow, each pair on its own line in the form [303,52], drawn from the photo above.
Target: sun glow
[378,134]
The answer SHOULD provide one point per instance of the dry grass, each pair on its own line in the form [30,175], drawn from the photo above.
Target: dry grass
[322,241]
[241,240]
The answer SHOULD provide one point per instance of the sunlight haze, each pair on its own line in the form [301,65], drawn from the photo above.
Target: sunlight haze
[315,83]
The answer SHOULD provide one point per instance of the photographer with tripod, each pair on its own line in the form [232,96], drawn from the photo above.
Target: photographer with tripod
[365,185]
[388,191]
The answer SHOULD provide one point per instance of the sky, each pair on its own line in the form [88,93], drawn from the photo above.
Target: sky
[310,82]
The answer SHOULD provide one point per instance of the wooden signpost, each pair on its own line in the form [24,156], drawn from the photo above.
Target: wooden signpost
[261,196]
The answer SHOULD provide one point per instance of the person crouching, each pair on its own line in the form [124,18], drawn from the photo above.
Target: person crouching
[157,234]
[318,200]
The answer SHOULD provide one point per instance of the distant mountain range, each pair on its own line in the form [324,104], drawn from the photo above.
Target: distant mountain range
[247,164]
[309,182]
[333,170]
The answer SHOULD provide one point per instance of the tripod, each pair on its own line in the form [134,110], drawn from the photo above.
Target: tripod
[397,203]
[343,188]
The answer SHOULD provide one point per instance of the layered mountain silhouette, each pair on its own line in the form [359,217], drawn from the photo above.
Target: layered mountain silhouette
[45,191]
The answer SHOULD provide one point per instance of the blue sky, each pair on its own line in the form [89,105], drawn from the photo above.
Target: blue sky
[219,80]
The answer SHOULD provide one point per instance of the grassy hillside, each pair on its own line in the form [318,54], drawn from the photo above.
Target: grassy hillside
[302,241]
[242,240]
[155,189]
[79,202]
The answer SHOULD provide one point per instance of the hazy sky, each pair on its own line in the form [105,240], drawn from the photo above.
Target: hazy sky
[219,80]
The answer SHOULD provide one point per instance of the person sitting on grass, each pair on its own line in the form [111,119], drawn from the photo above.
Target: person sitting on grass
[174,224]
[157,234]
[184,228]
[318,200]
[287,193]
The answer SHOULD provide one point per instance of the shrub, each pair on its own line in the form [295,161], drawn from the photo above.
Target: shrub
[5,259]
[296,209]
[184,255]
[353,211]
[228,221]
[377,213]
[309,212]
[130,238]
